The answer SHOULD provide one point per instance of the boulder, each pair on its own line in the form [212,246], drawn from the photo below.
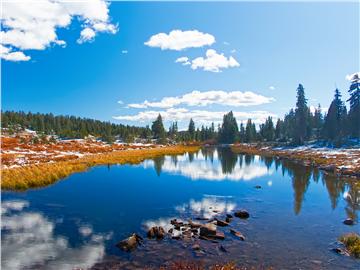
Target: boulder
[242,214]
[194,224]
[348,221]
[208,229]
[237,234]
[130,243]
[156,232]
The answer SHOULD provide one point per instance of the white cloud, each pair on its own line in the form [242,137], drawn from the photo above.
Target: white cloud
[8,54]
[213,62]
[86,35]
[352,77]
[33,25]
[197,98]
[272,87]
[233,51]
[184,60]
[200,116]
[313,109]
[179,40]
[124,51]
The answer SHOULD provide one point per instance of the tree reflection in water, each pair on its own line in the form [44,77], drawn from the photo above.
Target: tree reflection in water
[301,176]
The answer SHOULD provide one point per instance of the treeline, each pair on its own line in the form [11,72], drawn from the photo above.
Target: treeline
[68,126]
[297,126]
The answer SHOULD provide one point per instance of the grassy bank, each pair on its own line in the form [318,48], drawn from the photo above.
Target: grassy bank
[43,174]
[342,161]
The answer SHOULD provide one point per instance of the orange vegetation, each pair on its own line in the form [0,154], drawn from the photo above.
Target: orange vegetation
[45,173]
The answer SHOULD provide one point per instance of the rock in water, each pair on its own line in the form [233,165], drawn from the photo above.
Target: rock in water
[221,223]
[194,225]
[196,247]
[208,229]
[242,214]
[257,186]
[237,234]
[130,243]
[156,232]
[348,221]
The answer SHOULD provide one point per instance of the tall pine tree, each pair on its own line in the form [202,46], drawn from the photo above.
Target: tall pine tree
[354,100]
[301,117]
[334,126]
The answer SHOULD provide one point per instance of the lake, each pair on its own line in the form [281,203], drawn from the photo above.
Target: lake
[295,217]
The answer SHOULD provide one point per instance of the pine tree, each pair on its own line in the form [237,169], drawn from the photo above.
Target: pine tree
[334,126]
[229,129]
[191,129]
[250,132]
[354,100]
[158,128]
[317,122]
[301,117]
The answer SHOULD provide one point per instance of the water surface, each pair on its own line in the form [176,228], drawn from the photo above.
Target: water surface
[296,216]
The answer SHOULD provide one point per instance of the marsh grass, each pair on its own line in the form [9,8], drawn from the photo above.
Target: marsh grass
[43,174]
[352,243]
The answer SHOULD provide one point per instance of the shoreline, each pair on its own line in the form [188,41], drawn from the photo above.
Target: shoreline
[44,174]
[342,162]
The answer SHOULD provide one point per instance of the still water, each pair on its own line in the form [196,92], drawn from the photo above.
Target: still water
[295,217]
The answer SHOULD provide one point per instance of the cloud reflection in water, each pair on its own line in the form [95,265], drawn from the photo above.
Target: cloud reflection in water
[28,241]
[215,168]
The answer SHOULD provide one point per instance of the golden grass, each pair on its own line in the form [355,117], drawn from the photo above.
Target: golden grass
[43,174]
[352,243]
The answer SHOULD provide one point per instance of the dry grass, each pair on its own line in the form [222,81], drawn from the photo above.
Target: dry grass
[43,174]
[352,243]
[345,163]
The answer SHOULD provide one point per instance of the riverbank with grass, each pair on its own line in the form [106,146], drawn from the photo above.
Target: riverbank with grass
[45,173]
[340,161]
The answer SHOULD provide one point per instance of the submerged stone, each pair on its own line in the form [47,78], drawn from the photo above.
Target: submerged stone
[242,214]
[130,243]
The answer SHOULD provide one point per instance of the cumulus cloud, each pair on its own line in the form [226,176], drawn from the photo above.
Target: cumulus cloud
[205,98]
[200,116]
[179,40]
[33,25]
[272,87]
[213,61]
[352,77]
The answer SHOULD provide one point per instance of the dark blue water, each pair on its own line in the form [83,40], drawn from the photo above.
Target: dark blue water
[296,216]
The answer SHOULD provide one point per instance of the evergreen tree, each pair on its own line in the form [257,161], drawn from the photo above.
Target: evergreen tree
[250,132]
[229,129]
[334,126]
[191,129]
[354,100]
[158,128]
[317,122]
[301,117]
[242,133]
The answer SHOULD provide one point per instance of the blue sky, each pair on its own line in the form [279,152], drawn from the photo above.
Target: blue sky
[275,46]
